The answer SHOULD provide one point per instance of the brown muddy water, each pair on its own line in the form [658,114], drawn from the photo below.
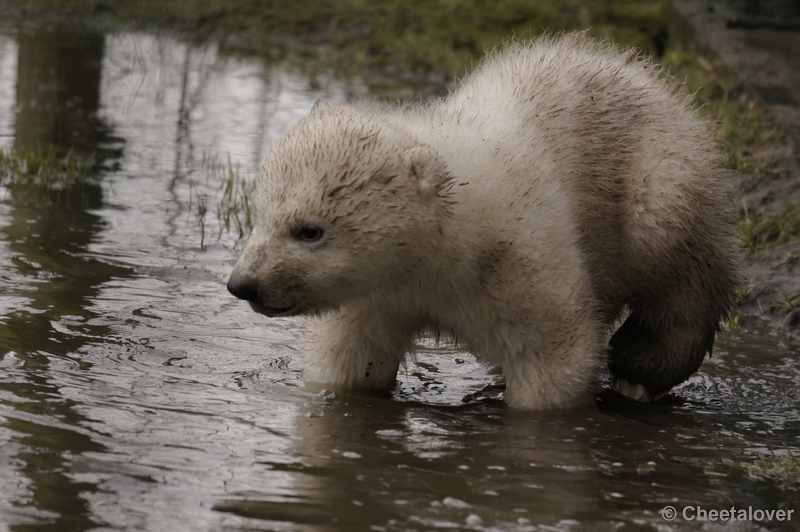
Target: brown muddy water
[137,394]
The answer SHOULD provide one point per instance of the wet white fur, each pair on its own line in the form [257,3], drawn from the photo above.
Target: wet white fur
[477,233]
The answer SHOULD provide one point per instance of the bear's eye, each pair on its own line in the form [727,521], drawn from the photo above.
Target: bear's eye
[309,233]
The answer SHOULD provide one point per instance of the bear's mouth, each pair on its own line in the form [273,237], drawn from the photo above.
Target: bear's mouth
[274,312]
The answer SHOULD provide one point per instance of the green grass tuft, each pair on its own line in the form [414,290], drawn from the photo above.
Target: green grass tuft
[232,198]
[759,232]
[787,304]
[46,178]
[43,168]
[781,468]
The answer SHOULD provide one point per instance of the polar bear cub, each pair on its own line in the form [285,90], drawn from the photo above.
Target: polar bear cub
[563,186]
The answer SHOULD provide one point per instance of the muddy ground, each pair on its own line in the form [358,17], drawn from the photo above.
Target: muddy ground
[759,43]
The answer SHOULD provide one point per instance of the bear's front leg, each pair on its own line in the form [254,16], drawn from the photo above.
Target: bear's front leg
[557,367]
[355,348]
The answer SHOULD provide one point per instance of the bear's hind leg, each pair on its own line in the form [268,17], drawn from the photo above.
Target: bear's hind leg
[355,349]
[677,300]
[647,360]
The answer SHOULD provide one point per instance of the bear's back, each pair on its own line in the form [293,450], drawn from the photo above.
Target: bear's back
[595,142]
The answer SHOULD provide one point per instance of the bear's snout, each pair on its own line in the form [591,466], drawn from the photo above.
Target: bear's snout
[246,289]
[276,298]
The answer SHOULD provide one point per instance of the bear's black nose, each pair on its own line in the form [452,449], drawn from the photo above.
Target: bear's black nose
[243,289]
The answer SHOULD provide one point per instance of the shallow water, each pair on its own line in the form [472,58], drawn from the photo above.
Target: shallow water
[137,394]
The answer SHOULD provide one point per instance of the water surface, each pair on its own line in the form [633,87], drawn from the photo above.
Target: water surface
[137,394]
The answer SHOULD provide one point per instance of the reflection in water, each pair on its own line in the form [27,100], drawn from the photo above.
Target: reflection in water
[48,233]
[58,89]
[89,355]
[135,394]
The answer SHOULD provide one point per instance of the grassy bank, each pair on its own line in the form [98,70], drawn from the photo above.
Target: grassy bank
[415,35]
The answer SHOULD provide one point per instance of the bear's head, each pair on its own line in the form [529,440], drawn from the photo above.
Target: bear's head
[345,205]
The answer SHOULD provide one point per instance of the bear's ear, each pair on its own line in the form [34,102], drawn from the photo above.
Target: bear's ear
[427,168]
[319,105]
